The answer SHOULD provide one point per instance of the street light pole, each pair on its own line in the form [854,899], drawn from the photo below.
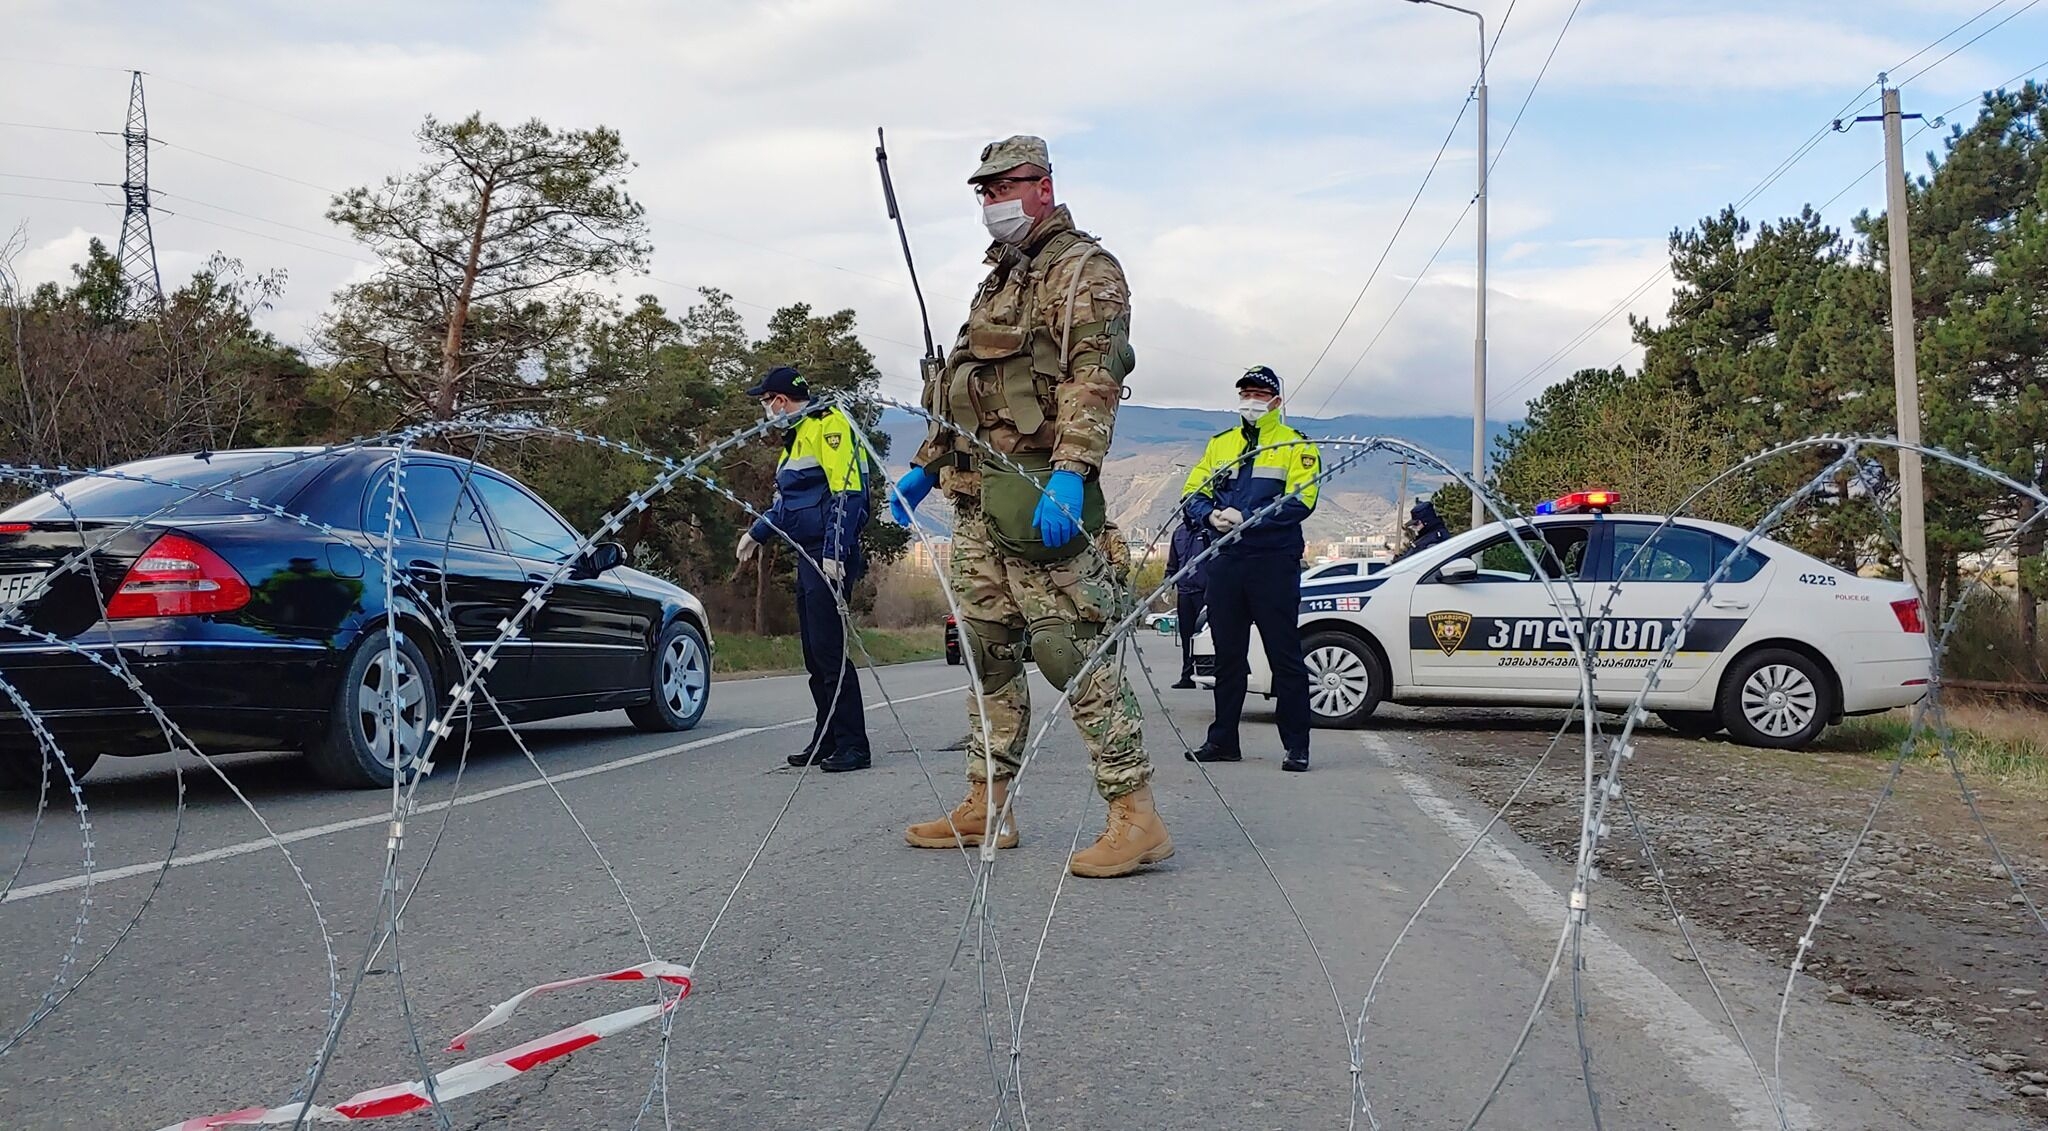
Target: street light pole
[1479,335]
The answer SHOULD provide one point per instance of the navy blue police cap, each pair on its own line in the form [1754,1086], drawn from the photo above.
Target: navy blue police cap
[784,381]
[1260,377]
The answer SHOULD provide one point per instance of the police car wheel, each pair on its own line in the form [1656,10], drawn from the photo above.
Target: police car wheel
[1777,699]
[1346,680]
[1691,724]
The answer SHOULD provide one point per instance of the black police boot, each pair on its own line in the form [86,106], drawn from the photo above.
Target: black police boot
[841,761]
[1186,683]
[1209,753]
[807,757]
[1297,761]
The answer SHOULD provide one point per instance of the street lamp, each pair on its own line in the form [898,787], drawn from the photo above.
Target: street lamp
[1479,337]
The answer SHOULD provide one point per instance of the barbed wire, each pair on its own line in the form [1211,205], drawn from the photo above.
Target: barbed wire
[1604,760]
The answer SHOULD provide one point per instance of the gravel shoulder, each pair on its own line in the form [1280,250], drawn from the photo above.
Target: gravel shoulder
[1924,930]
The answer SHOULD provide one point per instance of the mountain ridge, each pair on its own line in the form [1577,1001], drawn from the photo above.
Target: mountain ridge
[1155,445]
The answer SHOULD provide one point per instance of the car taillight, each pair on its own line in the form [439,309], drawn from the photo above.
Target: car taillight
[1908,612]
[178,577]
[14,528]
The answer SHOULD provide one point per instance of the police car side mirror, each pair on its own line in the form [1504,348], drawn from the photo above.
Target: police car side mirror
[1457,571]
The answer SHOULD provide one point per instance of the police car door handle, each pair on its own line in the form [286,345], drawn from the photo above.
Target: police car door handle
[1729,603]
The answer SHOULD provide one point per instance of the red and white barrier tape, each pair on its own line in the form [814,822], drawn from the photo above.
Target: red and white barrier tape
[472,1076]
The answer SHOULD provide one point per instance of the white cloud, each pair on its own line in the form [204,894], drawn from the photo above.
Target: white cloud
[1246,162]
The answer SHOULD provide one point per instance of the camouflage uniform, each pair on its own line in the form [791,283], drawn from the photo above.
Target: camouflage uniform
[1055,309]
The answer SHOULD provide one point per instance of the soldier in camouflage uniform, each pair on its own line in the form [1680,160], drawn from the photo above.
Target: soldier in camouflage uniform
[1036,374]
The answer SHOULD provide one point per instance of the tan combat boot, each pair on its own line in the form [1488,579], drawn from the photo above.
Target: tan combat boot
[1135,837]
[970,818]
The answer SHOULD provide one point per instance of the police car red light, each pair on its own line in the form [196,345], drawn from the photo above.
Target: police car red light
[1580,502]
[1908,612]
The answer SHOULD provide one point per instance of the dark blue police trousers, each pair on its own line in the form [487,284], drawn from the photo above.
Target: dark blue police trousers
[1262,590]
[835,686]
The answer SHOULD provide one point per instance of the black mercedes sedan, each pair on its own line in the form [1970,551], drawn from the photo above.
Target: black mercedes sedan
[255,630]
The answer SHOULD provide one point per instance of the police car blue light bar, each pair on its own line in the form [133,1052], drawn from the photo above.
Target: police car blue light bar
[1580,502]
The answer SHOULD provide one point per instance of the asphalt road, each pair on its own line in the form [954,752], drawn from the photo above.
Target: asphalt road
[1187,997]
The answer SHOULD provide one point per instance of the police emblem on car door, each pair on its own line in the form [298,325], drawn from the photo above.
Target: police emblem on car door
[1449,629]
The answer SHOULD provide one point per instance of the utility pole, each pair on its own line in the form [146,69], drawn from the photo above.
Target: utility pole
[1905,366]
[1479,336]
[137,254]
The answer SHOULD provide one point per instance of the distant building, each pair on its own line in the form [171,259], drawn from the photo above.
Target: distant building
[1361,546]
[931,553]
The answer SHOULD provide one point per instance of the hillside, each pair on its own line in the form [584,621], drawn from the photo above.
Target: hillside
[1156,446]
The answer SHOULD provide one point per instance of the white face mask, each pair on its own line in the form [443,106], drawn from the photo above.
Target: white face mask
[1005,220]
[1251,409]
[769,412]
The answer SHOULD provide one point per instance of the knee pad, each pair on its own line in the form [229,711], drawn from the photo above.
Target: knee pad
[1060,647]
[998,651]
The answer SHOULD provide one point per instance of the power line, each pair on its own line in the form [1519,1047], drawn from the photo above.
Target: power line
[260,219]
[1414,283]
[1501,29]
[61,199]
[247,166]
[55,63]
[1952,32]
[1491,160]
[2021,77]
[2010,17]
[1784,167]
[1586,334]
[1512,126]
[1700,298]
[52,129]
[385,141]
[268,236]
[1399,227]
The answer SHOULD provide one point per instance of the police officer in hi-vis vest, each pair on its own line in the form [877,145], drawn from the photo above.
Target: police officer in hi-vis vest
[1036,374]
[1255,579]
[821,506]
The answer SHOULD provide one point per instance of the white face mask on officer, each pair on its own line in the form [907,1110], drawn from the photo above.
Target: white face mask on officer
[776,410]
[1005,220]
[1251,408]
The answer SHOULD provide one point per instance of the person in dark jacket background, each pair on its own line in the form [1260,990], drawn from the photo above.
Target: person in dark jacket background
[1255,580]
[1425,527]
[1190,592]
[821,506]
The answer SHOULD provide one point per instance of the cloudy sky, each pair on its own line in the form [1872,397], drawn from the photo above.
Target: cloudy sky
[1248,162]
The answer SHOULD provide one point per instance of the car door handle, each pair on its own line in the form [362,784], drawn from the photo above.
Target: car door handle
[1729,603]
[423,570]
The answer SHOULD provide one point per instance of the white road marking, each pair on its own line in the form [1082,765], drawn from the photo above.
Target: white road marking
[130,871]
[1708,1056]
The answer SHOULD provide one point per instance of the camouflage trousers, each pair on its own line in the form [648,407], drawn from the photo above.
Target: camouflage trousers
[996,588]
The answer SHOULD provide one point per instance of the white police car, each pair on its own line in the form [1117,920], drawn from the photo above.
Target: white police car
[1785,645]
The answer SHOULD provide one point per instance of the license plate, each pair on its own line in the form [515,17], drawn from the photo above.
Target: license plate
[17,586]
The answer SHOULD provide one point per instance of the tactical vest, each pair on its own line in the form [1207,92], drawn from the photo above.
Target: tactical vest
[999,379]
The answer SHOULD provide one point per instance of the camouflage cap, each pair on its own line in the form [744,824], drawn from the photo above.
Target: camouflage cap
[1002,156]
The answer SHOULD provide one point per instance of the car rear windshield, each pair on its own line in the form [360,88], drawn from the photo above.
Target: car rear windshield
[273,477]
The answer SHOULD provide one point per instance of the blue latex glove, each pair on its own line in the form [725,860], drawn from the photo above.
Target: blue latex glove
[913,487]
[1058,517]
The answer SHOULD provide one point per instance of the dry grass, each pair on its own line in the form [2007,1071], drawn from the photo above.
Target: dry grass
[1992,741]
[742,653]
[908,598]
